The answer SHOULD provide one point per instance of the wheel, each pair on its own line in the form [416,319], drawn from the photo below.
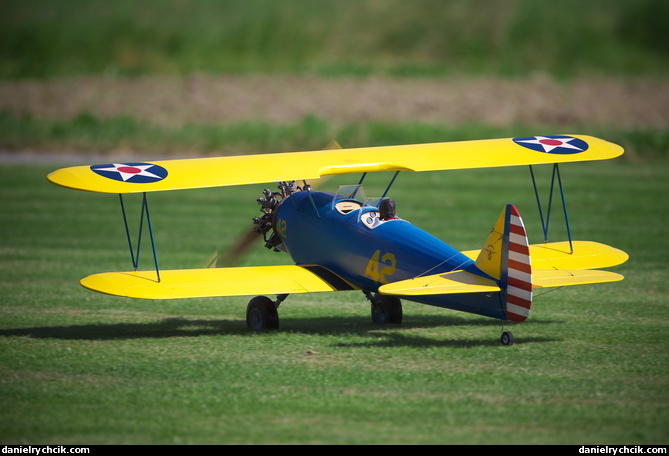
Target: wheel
[507,338]
[386,309]
[261,314]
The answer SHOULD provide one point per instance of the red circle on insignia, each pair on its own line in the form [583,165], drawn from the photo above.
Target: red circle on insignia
[550,142]
[129,169]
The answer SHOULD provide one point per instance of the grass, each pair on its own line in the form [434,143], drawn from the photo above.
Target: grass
[40,38]
[589,367]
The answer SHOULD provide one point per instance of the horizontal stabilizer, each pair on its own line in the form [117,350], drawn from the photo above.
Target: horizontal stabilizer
[201,283]
[465,282]
[561,278]
[449,283]
[558,255]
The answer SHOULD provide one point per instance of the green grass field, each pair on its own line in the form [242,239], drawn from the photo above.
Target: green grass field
[589,366]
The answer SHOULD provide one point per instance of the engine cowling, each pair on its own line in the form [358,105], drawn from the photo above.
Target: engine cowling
[269,203]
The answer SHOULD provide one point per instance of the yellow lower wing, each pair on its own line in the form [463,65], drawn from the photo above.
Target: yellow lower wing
[200,283]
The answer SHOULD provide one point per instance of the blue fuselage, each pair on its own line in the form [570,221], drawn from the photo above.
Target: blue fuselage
[348,239]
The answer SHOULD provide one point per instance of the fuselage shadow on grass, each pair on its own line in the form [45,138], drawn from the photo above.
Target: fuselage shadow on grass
[391,335]
[408,334]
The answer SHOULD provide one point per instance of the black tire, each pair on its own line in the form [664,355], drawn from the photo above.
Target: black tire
[261,314]
[386,309]
[507,338]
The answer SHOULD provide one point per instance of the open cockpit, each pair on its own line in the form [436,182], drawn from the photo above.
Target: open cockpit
[370,211]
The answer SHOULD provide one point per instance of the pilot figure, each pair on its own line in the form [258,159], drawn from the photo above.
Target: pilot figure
[387,209]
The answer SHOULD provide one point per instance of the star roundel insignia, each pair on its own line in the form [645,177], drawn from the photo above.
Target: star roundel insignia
[137,173]
[553,144]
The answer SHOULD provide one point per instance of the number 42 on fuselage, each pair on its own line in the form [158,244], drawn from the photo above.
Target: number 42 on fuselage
[346,241]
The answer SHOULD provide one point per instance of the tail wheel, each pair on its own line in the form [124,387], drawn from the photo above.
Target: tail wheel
[386,309]
[261,314]
[507,338]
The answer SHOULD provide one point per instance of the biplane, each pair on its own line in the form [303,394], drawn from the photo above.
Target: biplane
[344,240]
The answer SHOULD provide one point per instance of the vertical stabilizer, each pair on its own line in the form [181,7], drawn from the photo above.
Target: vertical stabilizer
[490,257]
[506,257]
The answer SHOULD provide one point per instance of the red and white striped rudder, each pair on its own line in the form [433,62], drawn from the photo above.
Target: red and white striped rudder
[506,258]
[518,275]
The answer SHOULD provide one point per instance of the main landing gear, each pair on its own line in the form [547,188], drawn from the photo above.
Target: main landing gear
[262,314]
[385,309]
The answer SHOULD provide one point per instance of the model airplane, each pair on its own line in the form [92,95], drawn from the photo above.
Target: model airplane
[346,241]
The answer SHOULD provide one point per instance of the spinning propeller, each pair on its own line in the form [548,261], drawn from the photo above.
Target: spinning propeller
[231,255]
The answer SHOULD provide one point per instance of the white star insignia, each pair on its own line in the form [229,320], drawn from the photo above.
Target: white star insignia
[128,171]
[549,144]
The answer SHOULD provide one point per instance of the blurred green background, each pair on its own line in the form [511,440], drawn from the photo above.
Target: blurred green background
[45,38]
[67,70]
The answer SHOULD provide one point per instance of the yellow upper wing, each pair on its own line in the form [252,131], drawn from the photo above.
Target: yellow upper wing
[254,169]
